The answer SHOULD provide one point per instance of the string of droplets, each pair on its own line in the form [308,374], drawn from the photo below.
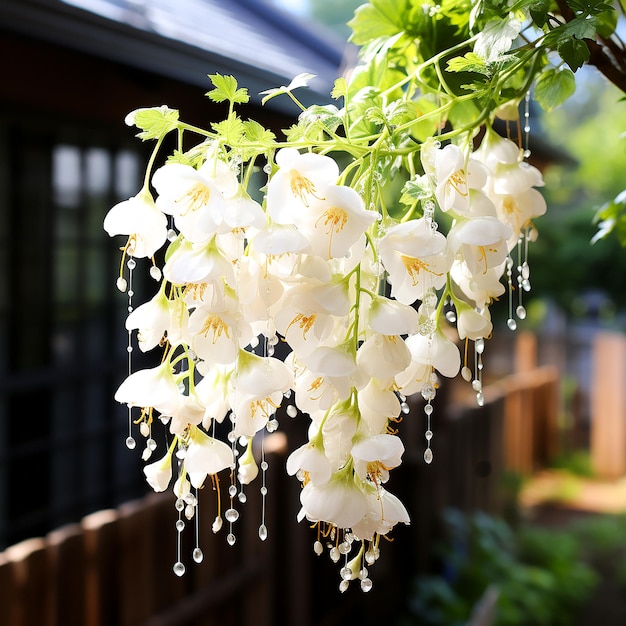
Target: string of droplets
[428,327]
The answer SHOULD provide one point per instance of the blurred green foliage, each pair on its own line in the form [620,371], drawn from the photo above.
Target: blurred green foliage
[539,574]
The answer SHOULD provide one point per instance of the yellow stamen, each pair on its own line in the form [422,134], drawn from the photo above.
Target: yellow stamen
[458,182]
[304,322]
[197,197]
[217,325]
[301,187]
[336,219]
[415,266]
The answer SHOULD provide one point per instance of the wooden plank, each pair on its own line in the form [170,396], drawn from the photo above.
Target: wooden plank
[29,560]
[8,591]
[608,405]
[101,567]
[66,557]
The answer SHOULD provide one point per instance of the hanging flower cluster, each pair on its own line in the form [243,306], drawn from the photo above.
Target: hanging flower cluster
[361,306]
[337,275]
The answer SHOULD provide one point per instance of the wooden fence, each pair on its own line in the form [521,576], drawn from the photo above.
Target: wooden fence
[114,567]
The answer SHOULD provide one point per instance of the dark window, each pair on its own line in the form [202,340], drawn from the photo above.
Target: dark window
[62,339]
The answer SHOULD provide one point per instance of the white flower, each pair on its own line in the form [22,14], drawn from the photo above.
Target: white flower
[310,460]
[153,387]
[258,391]
[416,259]
[340,501]
[455,175]
[306,316]
[205,456]
[298,181]
[198,263]
[214,391]
[140,219]
[192,198]
[428,352]
[159,473]
[384,512]
[335,223]
[390,317]
[152,319]
[481,242]
[377,405]
[482,288]
[472,323]
[374,456]
[383,356]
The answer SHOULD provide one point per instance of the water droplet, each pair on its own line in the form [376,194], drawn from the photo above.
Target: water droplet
[243,498]
[345,573]
[480,399]
[428,455]
[180,525]
[264,465]
[130,443]
[366,585]
[262,532]
[404,407]
[267,168]
[263,491]
[151,444]
[155,272]
[344,547]
[451,317]
[511,323]
[197,555]
[232,491]
[146,454]
[318,548]
[190,499]
[179,504]
[129,349]
[121,284]
[131,264]
[525,271]
[171,234]
[476,385]
[521,312]
[231,539]
[526,285]
[231,515]
[272,426]
[131,293]
[190,511]
[466,374]
[343,585]
[429,435]
[270,351]
[428,392]
[292,411]
[479,346]
[428,409]
[335,555]
[370,557]
[179,568]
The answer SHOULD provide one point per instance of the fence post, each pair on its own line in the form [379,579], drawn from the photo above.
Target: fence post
[608,405]
[101,546]
[31,575]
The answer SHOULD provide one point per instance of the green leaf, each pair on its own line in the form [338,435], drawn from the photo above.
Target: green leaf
[539,11]
[554,87]
[256,133]
[471,62]
[231,130]
[328,116]
[574,52]
[417,188]
[380,19]
[226,89]
[340,89]
[154,122]
[581,27]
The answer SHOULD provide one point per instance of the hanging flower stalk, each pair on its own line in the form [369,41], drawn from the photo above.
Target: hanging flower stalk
[369,245]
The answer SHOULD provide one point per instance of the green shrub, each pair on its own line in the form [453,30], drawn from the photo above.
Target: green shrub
[539,574]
